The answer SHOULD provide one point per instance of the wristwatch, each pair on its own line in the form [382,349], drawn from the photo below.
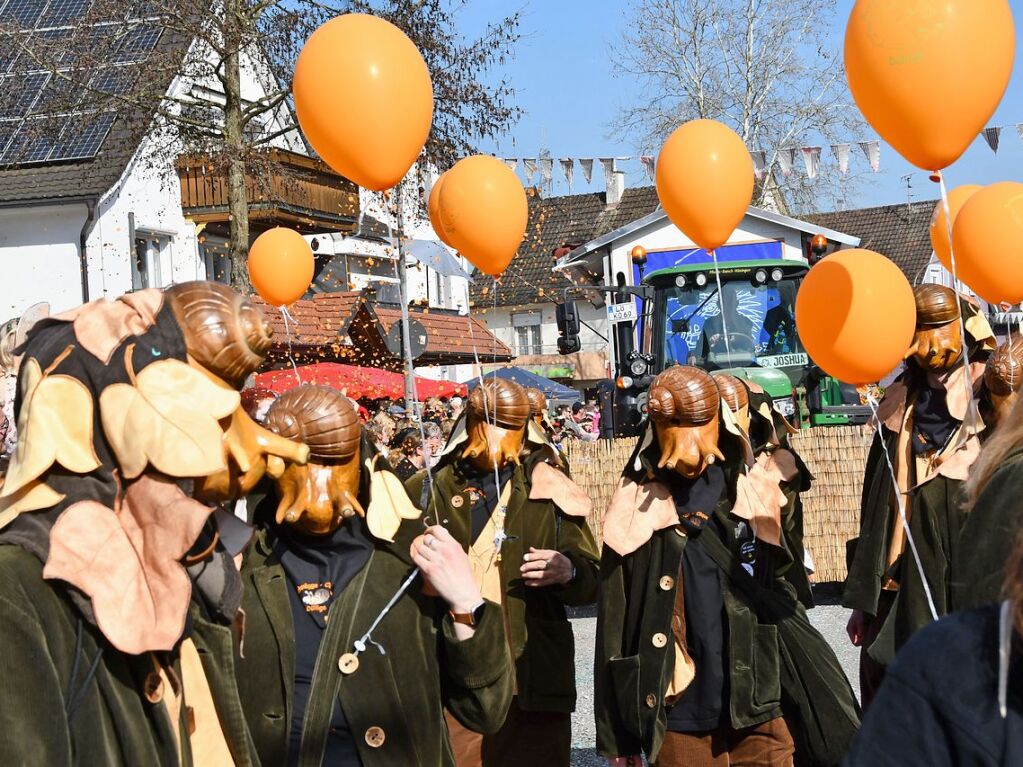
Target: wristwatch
[470,619]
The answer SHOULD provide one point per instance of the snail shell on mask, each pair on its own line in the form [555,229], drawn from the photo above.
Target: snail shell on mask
[318,497]
[683,406]
[223,332]
[1003,376]
[537,402]
[500,402]
[735,395]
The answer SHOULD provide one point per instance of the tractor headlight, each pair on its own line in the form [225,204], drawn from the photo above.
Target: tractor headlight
[638,367]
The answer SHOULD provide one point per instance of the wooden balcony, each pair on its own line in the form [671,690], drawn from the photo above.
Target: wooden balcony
[306,194]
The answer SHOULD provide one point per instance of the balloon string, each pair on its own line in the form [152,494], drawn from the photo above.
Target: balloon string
[973,412]
[901,503]
[721,306]
[360,644]
[288,319]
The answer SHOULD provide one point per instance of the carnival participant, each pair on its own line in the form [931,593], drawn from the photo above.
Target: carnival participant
[408,444]
[502,491]
[120,598]
[340,667]
[694,559]
[930,430]
[993,489]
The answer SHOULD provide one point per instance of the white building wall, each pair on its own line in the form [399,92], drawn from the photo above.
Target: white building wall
[39,257]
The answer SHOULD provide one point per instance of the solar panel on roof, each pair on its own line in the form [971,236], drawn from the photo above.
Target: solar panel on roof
[33,142]
[81,140]
[18,94]
[23,12]
[137,45]
[60,12]
[113,80]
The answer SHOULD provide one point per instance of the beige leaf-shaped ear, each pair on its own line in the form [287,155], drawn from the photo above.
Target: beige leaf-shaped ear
[759,498]
[635,513]
[54,426]
[388,505]
[33,497]
[169,418]
[549,484]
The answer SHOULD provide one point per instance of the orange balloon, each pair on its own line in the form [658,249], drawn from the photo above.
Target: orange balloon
[281,266]
[856,316]
[939,228]
[364,99]
[433,205]
[988,240]
[705,181]
[929,74]
[483,210]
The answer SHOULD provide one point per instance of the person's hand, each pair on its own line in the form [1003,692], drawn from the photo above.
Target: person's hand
[855,628]
[446,569]
[544,567]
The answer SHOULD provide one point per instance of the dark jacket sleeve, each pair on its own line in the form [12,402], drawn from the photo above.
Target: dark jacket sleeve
[32,703]
[478,672]
[991,530]
[576,541]
[866,554]
[613,739]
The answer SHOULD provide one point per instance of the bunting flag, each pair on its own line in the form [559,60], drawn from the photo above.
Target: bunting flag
[991,136]
[529,168]
[607,164]
[568,168]
[759,163]
[648,163]
[872,149]
[512,162]
[546,173]
[842,153]
[786,157]
[586,163]
[811,160]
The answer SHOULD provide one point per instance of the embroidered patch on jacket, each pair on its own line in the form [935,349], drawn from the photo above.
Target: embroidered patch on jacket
[315,596]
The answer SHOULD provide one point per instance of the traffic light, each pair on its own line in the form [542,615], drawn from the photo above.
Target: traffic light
[568,327]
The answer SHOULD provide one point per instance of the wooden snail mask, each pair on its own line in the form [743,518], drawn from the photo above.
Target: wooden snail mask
[316,498]
[1004,375]
[537,405]
[683,407]
[495,423]
[736,396]
[938,343]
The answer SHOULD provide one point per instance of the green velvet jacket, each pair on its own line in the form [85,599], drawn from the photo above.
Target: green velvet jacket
[46,654]
[540,633]
[988,537]
[400,695]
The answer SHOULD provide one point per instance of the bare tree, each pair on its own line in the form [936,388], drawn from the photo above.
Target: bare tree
[759,66]
[121,57]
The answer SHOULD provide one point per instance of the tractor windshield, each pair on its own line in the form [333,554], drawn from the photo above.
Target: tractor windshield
[757,328]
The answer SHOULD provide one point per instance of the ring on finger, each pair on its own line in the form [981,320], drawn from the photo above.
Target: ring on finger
[430,542]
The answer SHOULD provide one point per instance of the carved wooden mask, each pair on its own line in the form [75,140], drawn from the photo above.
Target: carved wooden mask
[537,405]
[736,396]
[495,422]
[938,343]
[316,498]
[683,407]
[1004,375]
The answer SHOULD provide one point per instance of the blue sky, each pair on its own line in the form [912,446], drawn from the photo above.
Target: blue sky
[563,73]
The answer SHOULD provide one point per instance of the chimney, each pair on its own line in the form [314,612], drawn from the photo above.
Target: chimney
[614,180]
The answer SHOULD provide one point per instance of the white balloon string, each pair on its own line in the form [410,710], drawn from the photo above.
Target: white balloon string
[901,503]
[361,642]
[288,319]
[721,307]
[972,412]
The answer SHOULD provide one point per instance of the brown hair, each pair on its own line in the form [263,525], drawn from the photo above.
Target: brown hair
[1007,436]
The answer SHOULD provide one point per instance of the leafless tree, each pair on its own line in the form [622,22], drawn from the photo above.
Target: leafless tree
[762,67]
[101,59]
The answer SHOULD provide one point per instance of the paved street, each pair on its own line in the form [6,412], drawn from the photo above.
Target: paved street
[829,617]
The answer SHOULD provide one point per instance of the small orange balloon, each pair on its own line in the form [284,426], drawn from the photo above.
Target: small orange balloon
[483,211]
[705,181]
[856,316]
[364,99]
[433,205]
[939,228]
[281,266]
[988,240]
[929,74]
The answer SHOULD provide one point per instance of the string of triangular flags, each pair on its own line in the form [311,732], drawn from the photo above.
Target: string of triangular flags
[790,160]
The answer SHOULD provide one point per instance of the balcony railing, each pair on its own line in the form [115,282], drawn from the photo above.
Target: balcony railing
[302,192]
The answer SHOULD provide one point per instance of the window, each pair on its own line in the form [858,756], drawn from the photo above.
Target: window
[439,289]
[214,250]
[150,250]
[527,333]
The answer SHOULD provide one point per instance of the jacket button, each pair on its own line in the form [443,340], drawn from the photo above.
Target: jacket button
[666,583]
[680,531]
[153,687]
[659,640]
[348,663]
[651,701]
[375,737]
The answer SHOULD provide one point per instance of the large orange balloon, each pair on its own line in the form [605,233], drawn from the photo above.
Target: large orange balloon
[281,266]
[988,240]
[364,99]
[483,212]
[433,205]
[856,316]
[939,226]
[705,181]
[928,74]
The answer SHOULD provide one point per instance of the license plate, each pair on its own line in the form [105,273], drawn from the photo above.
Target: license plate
[783,361]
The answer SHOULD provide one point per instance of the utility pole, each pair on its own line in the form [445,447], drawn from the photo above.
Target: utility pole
[406,344]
